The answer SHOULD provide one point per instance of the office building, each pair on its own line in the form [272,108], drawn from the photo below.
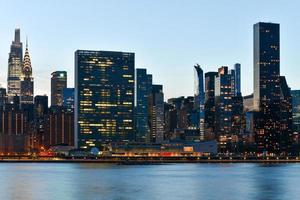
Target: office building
[104,97]
[237,70]
[143,92]
[156,111]
[15,67]
[58,84]
[68,99]
[296,110]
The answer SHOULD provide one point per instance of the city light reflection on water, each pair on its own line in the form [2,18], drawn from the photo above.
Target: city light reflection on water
[36,181]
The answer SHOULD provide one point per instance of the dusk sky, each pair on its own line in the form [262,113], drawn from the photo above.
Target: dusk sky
[167,36]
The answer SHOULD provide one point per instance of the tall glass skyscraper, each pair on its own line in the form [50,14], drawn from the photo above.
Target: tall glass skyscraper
[200,98]
[15,67]
[143,92]
[267,88]
[104,97]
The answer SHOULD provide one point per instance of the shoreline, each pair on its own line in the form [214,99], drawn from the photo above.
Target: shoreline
[145,162]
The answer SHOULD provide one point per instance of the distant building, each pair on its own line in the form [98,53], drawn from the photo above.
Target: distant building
[61,126]
[143,93]
[156,111]
[58,83]
[3,98]
[210,107]
[248,103]
[26,95]
[68,99]
[237,70]
[223,102]
[104,97]
[15,67]
[296,110]
[200,99]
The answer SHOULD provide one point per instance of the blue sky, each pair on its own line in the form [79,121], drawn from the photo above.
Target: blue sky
[168,36]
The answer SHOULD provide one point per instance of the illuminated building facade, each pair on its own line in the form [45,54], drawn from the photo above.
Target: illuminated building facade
[223,102]
[156,111]
[104,97]
[200,99]
[143,92]
[58,83]
[15,67]
[26,80]
[266,96]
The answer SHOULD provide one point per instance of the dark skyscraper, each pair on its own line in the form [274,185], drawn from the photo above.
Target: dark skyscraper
[3,98]
[200,98]
[58,83]
[26,80]
[296,110]
[104,97]
[143,92]
[15,67]
[68,99]
[210,104]
[267,91]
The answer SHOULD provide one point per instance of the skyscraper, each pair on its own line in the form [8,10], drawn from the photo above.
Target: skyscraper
[143,92]
[200,99]
[15,67]
[267,90]
[210,107]
[68,99]
[58,83]
[223,102]
[237,70]
[104,97]
[296,110]
[26,79]
[3,98]
[156,111]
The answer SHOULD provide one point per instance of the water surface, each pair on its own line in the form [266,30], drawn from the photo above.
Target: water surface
[74,181]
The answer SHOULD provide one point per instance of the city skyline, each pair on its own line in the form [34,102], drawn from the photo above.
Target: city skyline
[211,42]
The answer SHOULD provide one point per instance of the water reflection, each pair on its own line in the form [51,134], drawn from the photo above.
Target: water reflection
[175,181]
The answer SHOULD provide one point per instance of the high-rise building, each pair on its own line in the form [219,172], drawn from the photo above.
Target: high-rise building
[40,106]
[156,111]
[58,83]
[266,96]
[223,102]
[200,99]
[143,92]
[26,80]
[296,110]
[104,97]
[68,99]
[237,70]
[15,67]
[286,116]
[210,107]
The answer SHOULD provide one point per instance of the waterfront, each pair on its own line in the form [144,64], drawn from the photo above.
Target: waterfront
[64,181]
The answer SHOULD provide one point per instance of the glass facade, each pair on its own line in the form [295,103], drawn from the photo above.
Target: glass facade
[266,96]
[296,110]
[104,97]
[143,92]
[200,99]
